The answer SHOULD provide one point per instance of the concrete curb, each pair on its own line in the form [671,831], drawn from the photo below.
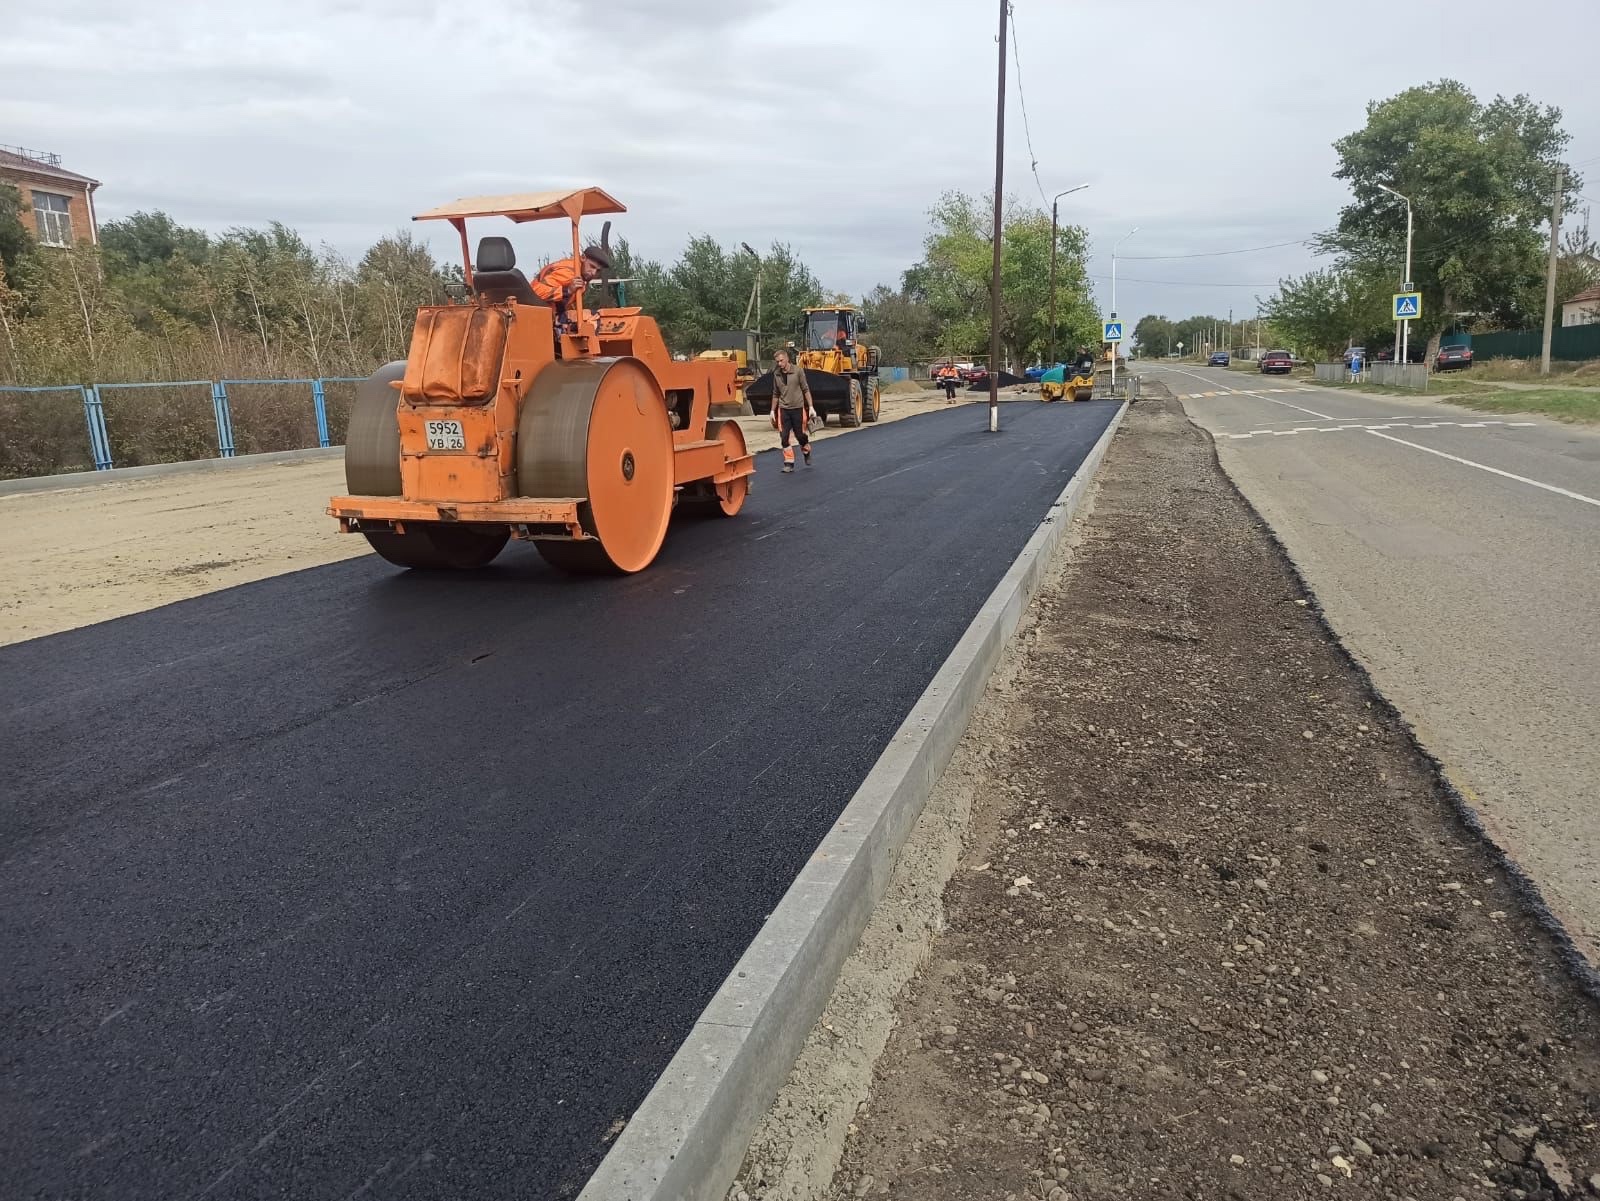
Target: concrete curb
[119,475]
[689,1136]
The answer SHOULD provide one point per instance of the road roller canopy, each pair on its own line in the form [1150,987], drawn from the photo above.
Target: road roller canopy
[571,203]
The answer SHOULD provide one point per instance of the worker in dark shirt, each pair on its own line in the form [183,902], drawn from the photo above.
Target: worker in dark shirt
[792,408]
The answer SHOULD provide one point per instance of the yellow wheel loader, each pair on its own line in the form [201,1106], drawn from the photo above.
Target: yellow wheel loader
[841,371]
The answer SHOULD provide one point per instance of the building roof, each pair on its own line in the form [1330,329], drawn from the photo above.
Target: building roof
[14,158]
[1587,294]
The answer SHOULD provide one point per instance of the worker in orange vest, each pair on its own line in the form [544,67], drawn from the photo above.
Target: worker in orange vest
[556,283]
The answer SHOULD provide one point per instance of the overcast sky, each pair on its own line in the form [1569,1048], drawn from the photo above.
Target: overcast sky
[825,125]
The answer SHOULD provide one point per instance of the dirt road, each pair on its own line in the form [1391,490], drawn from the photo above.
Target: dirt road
[1216,932]
[78,556]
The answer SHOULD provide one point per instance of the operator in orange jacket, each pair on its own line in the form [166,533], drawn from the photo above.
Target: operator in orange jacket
[556,282]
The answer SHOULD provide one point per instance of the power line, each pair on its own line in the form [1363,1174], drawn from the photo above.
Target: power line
[1213,254]
[1022,100]
[1181,283]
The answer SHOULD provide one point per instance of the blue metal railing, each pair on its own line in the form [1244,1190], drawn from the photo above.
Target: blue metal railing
[94,417]
[94,413]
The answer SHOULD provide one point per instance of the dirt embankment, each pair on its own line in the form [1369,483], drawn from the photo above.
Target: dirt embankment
[1217,931]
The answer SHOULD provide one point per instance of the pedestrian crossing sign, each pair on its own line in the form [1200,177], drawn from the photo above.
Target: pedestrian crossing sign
[1407,306]
[1113,331]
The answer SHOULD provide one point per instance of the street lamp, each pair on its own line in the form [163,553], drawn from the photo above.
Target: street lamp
[1053,214]
[1403,337]
[1114,250]
[755,292]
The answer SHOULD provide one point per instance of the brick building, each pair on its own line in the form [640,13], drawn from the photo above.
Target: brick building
[57,204]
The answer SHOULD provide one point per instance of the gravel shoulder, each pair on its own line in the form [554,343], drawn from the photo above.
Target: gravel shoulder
[74,557]
[1216,930]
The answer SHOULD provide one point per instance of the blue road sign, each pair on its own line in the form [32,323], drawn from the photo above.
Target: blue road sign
[1407,306]
[1112,331]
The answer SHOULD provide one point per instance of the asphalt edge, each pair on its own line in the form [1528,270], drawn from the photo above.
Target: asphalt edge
[1576,964]
[118,475]
[689,1136]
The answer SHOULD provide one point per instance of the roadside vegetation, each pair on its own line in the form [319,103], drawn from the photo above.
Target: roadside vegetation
[1479,176]
[157,300]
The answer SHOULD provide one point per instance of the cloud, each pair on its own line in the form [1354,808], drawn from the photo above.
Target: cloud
[829,127]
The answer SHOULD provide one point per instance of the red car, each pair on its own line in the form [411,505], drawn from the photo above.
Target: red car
[1280,361]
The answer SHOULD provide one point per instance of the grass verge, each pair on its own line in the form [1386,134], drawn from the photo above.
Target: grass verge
[1564,404]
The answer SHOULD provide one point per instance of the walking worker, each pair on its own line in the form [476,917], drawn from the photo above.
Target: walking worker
[948,377]
[791,408]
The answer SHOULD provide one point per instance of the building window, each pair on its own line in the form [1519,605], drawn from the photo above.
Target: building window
[52,219]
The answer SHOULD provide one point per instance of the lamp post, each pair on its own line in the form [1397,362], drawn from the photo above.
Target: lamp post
[1403,337]
[1114,249]
[755,292]
[1054,204]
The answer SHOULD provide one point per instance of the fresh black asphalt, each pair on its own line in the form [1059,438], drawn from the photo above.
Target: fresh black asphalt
[354,883]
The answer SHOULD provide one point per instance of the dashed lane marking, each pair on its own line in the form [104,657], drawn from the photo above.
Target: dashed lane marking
[1238,392]
[1389,425]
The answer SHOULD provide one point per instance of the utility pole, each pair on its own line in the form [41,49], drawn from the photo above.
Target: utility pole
[1402,333]
[999,183]
[1053,215]
[1114,345]
[1550,275]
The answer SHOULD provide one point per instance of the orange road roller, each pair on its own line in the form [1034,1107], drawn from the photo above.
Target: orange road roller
[515,417]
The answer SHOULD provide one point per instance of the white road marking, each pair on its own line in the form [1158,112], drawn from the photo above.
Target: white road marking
[1392,425]
[1257,394]
[1521,479]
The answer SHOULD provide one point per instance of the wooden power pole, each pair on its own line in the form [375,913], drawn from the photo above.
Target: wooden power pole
[999,182]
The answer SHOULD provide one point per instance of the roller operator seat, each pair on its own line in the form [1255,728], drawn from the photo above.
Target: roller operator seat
[496,276]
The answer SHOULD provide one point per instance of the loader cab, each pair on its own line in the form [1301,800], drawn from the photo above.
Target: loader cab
[830,329]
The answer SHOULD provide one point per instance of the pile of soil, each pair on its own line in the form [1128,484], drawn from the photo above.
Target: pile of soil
[1220,931]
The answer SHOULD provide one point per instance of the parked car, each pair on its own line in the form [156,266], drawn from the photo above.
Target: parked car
[1219,358]
[1034,374]
[1453,358]
[1352,352]
[1279,361]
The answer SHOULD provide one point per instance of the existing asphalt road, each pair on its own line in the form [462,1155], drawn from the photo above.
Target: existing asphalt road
[1458,555]
[358,883]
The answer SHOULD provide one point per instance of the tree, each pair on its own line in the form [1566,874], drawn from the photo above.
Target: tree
[1322,312]
[953,279]
[902,327]
[148,260]
[1480,178]
[709,287]
[1155,336]
[394,278]
[15,240]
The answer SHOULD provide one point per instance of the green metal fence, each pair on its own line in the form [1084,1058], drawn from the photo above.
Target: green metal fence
[1569,343]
